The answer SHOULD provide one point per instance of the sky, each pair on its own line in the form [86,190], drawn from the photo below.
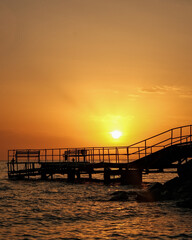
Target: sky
[73,71]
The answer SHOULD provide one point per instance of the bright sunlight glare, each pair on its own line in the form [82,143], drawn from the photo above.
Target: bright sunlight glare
[116,134]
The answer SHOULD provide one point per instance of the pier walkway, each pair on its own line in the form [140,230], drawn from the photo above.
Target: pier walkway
[167,150]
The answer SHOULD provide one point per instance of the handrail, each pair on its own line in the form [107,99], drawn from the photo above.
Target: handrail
[171,138]
[121,154]
[170,130]
[155,145]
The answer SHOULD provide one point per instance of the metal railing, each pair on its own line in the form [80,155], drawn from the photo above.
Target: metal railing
[124,154]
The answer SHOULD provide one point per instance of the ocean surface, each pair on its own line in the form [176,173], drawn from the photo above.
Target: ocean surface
[59,210]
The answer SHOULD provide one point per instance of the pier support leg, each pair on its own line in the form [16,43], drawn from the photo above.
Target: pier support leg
[43,176]
[71,176]
[90,176]
[107,175]
[78,175]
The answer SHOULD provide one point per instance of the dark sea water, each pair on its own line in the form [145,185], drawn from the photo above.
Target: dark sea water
[59,210]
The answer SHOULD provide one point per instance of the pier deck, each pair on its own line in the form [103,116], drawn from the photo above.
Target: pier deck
[167,150]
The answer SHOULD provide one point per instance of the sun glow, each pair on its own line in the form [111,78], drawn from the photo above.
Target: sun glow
[116,134]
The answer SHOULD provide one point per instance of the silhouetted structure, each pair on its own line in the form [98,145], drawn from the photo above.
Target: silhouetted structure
[166,150]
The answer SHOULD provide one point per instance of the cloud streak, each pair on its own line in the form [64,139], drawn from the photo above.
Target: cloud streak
[181,92]
[186,94]
[159,89]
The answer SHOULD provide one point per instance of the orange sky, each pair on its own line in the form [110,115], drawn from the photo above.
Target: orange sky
[72,71]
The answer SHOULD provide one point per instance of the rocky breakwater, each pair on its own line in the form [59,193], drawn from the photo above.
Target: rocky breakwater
[178,189]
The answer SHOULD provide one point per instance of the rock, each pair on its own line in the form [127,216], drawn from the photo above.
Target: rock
[149,196]
[170,189]
[185,170]
[123,196]
[119,196]
[154,186]
[117,193]
[145,197]
[179,189]
[172,184]
[185,203]
[154,193]
[185,190]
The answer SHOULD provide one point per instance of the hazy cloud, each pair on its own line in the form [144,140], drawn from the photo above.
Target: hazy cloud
[186,94]
[159,89]
[179,91]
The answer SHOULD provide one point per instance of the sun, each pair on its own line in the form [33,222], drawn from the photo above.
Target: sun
[116,134]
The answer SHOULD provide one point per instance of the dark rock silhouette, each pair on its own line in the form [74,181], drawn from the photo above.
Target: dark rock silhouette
[185,203]
[152,194]
[123,195]
[178,189]
[185,170]
[119,196]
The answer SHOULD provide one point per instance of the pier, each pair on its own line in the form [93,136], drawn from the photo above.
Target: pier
[160,153]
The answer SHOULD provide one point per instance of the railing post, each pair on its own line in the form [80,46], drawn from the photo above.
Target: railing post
[8,156]
[8,162]
[108,156]
[59,154]
[145,148]
[139,152]
[180,134]
[45,155]
[116,155]
[28,155]
[78,154]
[88,154]
[52,155]
[190,132]
[93,156]
[103,154]
[127,154]
[171,137]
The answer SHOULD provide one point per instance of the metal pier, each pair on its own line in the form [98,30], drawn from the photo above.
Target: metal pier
[125,164]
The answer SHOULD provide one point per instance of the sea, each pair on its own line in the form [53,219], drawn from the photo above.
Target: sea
[60,210]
